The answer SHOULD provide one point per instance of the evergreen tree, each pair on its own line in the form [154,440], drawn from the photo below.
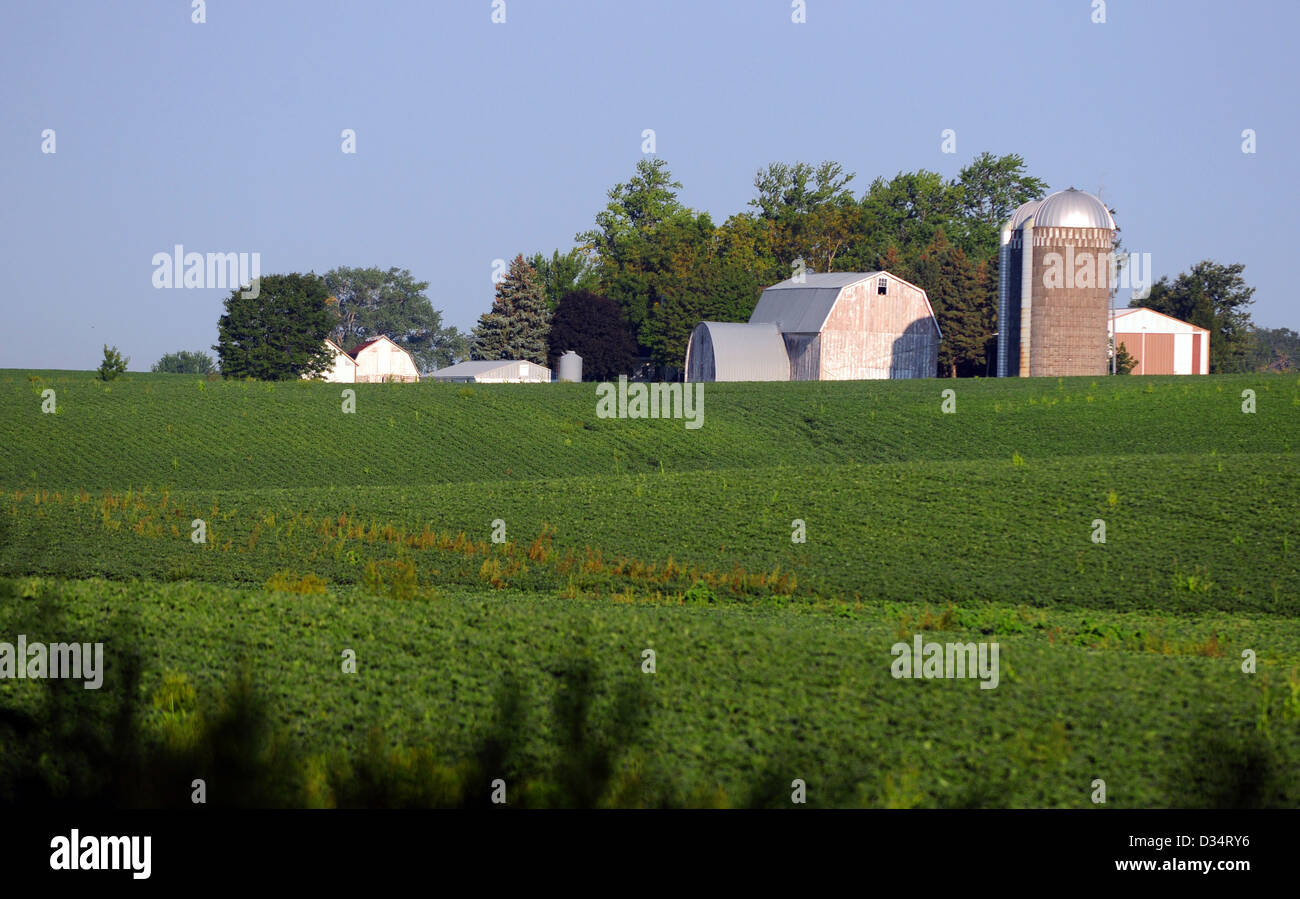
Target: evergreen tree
[965,315]
[520,319]
[113,364]
[278,334]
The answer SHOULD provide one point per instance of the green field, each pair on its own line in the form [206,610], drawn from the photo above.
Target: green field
[372,532]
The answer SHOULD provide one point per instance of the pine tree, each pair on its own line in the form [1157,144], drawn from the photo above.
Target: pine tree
[520,319]
[278,334]
[957,294]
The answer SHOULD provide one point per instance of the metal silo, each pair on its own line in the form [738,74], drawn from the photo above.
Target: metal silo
[569,368]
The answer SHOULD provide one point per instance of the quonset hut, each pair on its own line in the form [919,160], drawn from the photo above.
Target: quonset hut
[840,326]
[1054,287]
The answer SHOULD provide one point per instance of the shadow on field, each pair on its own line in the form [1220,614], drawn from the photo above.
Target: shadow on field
[64,746]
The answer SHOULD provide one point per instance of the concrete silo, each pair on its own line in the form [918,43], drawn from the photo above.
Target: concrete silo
[1054,287]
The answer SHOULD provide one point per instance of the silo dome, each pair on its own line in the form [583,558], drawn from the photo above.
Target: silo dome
[1072,209]
[1024,211]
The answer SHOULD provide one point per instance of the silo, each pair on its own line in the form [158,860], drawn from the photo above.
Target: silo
[1054,287]
[570,367]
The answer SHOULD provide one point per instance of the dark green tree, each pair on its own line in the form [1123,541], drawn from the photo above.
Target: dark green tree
[956,294]
[372,302]
[1214,297]
[278,334]
[592,326]
[113,364]
[1124,362]
[519,322]
[185,363]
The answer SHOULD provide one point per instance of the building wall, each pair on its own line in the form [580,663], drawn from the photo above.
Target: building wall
[1009,330]
[1069,324]
[805,355]
[385,361]
[870,335]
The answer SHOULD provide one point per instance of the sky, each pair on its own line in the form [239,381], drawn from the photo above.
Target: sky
[478,140]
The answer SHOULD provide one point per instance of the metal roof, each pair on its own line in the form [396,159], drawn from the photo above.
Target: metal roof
[745,352]
[1068,208]
[480,367]
[801,307]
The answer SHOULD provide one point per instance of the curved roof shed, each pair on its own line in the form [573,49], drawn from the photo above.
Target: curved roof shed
[736,351]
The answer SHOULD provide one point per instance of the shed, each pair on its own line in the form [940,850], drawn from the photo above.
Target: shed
[733,351]
[1162,344]
[498,371]
[343,368]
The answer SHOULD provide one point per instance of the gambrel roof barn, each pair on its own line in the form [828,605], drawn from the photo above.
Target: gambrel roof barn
[839,326]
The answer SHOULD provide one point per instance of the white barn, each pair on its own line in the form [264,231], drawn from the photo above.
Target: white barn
[841,326]
[381,360]
[497,371]
[343,370]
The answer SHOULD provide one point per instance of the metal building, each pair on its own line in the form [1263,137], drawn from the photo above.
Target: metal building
[499,371]
[1054,276]
[1162,344]
[830,327]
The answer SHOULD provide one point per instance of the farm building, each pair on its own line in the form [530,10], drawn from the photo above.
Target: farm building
[373,361]
[344,367]
[383,360]
[1162,344]
[499,371]
[823,327]
[1054,287]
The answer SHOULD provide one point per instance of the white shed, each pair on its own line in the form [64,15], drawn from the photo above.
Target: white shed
[381,360]
[498,371]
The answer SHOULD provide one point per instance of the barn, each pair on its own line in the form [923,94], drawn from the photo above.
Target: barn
[839,326]
[1162,344]
[499,371]
[382,360]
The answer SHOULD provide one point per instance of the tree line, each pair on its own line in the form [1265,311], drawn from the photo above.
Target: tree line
[632,288]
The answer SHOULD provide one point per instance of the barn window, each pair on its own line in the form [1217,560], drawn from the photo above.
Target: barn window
[882,286]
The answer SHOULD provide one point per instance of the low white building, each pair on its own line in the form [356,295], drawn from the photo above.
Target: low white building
[1161,344]
[499,371]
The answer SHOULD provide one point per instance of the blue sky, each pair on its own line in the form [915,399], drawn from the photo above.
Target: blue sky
[476,140]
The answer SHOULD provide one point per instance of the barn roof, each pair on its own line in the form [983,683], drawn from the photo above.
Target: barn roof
[480,367]
[361,346]
[802,307]
[746,352]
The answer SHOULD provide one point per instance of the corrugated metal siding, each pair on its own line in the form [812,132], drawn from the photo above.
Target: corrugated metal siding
[734,351]
[1158,352]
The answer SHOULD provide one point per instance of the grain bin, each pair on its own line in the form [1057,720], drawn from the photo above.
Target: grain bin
[570,367]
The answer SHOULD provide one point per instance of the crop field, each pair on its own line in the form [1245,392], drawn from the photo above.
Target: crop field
[465,541]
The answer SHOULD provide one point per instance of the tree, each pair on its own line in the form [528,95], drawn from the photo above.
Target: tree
[592,326]
[1214,297]
[113,364]
[990,189]
[371,302]
[624,239]
[965,315]
[561,275]
[185,363]
[786,191]
[518,324]
[278,334]
[1273,349]
[1124,362]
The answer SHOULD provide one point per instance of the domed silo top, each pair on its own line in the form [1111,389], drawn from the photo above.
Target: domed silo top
[1024,211]
[1071,209]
